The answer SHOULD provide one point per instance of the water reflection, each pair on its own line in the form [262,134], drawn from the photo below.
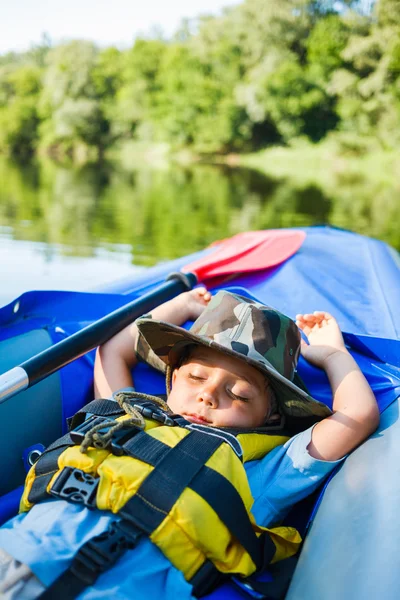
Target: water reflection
[160,215]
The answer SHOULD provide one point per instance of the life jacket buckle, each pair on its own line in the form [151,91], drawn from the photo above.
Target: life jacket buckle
[155,414]
[119,437]
[77,435]
[76,486]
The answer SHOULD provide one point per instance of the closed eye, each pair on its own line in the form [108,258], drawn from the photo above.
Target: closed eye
[236,397]
[195,377]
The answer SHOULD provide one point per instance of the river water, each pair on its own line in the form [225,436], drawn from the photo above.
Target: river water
[74,229]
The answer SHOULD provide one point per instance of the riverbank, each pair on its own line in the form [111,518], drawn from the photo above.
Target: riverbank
[326,163]
[363,182]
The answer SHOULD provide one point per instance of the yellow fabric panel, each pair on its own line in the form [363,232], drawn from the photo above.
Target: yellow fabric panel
[24,504]
[169,435]
[88,462]
[175,543]
[257,445]
[120,478]
[286,539]
[209,537]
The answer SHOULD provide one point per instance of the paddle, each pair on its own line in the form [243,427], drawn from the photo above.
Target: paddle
[244,252]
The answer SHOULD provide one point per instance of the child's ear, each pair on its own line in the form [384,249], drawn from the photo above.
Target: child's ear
[174,375]
[274,418]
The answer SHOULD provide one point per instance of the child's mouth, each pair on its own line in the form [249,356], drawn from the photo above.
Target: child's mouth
[197,419]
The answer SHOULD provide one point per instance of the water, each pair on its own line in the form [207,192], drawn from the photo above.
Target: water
[74,229]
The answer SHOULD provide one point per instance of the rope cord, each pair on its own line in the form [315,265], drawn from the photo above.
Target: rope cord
[168,379]
[94,438]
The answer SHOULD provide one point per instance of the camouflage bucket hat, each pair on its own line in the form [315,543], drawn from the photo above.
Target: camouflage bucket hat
[245,329]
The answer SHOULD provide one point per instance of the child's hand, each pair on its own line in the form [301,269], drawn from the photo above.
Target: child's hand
[195,302]
[324,336]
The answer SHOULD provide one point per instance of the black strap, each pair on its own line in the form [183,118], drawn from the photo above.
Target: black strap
[101,408]
[145,448]
[282,573]
[95,557]
[206,579]
[46,467]
[174,471]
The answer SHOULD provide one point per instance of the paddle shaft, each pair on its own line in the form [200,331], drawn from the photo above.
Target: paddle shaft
[47,362]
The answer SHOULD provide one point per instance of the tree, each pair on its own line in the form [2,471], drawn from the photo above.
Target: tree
[135,96]
[368,103]
[325,44]
[19,91]
[388,13]
[195,105]
[70,104]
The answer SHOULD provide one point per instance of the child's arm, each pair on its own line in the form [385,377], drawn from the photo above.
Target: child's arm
[356,413]
[116,358]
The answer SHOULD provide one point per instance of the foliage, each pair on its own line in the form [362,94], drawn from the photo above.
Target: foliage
[325,44]
[261,73]
[19,93]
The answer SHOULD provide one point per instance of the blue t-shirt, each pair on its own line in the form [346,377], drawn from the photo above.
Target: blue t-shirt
[47,537]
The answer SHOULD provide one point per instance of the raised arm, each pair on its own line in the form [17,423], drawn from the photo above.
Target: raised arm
[355,412]
[116,358]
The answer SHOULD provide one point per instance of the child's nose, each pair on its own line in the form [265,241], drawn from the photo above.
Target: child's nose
[209,396]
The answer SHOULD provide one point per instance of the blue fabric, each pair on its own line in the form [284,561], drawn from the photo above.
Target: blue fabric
[354,277]
[49,535]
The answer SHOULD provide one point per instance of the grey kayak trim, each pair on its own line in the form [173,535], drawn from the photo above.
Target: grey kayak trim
[351,550]
[12,382]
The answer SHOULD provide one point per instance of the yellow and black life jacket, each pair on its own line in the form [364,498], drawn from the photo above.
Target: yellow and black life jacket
[181,484]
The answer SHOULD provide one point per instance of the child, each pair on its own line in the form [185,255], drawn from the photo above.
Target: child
[233,369]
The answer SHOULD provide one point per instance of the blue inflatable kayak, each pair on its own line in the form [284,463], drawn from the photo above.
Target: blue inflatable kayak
[350,550]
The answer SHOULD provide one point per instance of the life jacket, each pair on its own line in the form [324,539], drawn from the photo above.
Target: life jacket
[181,484]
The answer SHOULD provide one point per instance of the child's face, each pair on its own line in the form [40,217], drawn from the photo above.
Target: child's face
[211,388]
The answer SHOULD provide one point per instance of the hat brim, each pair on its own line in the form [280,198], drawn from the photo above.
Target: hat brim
[293,401]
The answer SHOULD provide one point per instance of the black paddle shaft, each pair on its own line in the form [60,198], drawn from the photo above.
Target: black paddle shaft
[47,362]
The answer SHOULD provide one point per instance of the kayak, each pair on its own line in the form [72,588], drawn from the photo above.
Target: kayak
[353,525]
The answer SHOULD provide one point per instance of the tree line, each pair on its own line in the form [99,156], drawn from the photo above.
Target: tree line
[262,73]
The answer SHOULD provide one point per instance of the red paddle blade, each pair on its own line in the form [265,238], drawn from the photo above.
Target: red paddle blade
[249,251]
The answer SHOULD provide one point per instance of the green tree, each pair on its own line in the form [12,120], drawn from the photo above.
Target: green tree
[194,105]
[366,88]
[19,92]
[295,102]
[74,121]
[135,97]
[325,44]
[388,13]
[107,74]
